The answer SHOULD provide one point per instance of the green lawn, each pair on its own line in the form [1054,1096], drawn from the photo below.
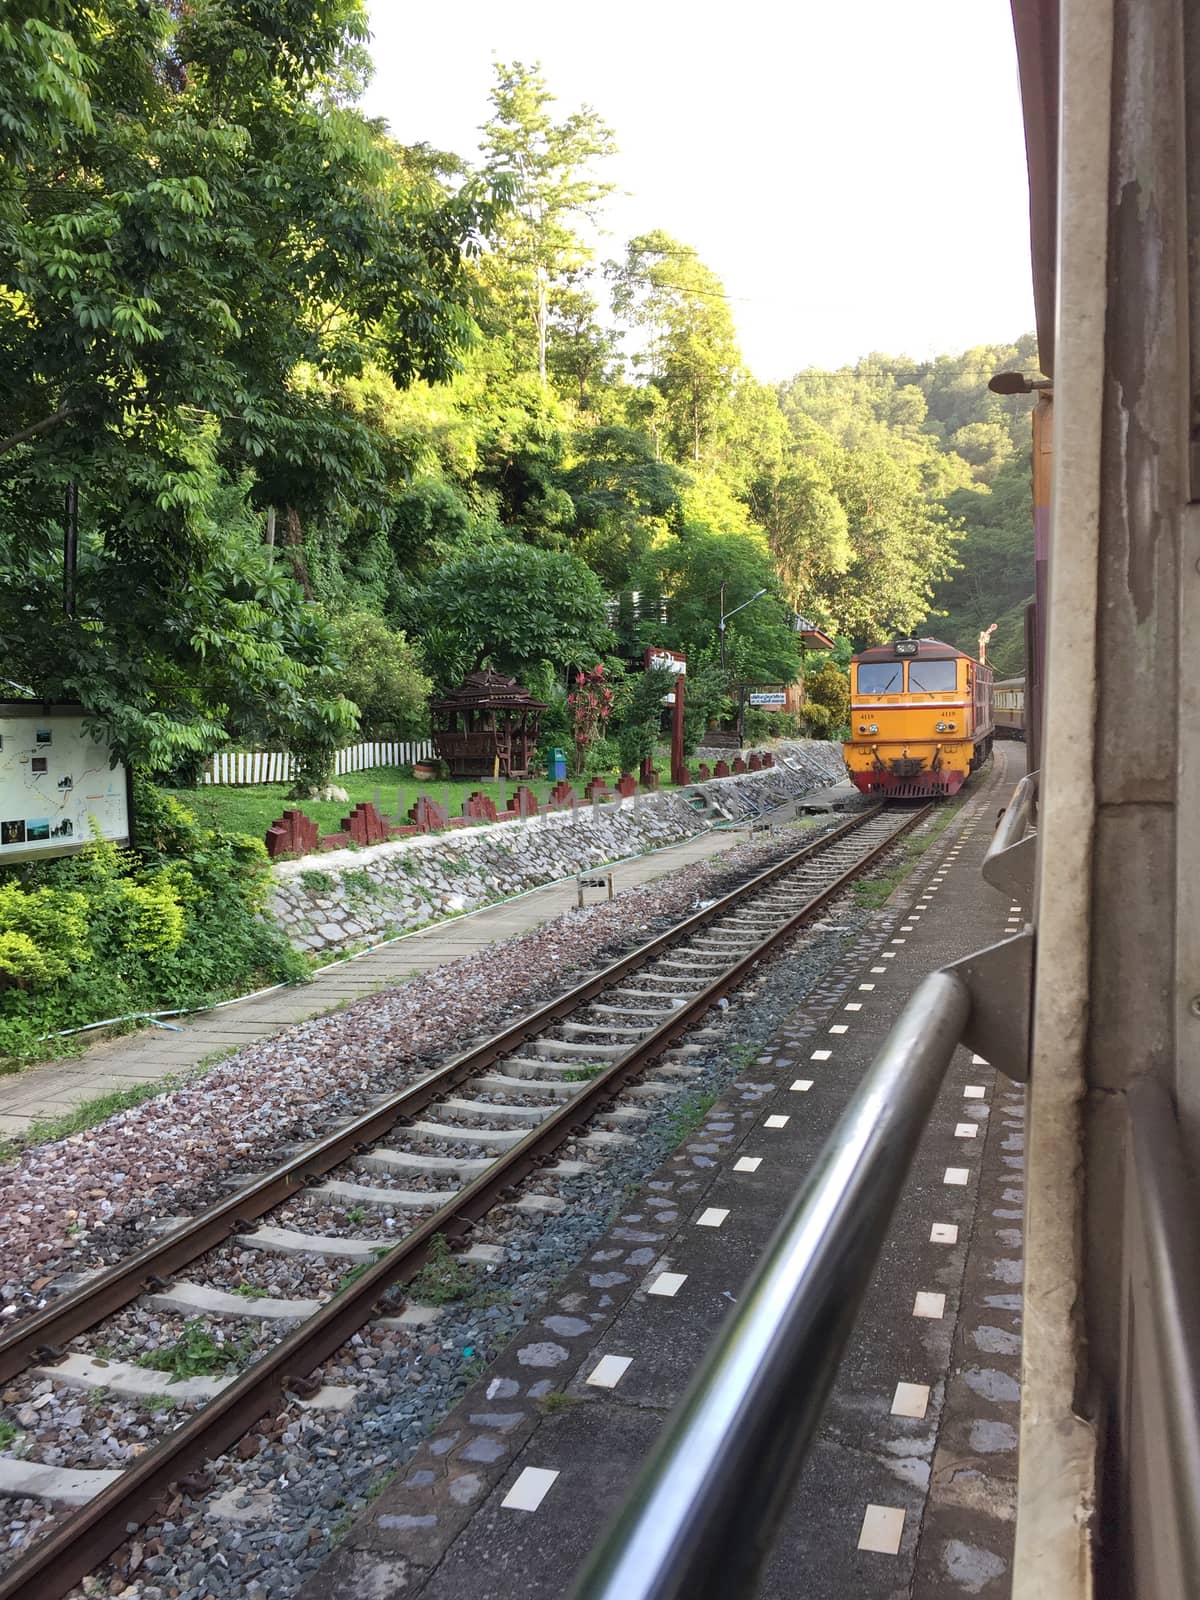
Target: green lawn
[254,808]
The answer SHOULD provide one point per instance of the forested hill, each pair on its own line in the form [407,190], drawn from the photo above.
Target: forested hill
[347,420]
[971,450]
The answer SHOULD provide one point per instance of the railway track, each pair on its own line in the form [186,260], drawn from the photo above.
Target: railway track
[553,1090]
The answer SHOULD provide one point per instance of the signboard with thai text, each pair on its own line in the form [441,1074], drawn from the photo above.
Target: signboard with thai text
[56,782]
[768,699]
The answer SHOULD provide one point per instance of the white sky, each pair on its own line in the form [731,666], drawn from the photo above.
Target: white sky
[854,170]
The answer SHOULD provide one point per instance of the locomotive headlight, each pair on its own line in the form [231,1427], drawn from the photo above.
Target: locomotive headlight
[945,727]
[874,728]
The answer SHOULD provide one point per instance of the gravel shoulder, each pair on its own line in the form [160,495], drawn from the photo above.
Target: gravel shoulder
[79,1203]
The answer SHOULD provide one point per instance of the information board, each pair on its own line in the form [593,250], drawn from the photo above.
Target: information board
[768,699]
[55,779]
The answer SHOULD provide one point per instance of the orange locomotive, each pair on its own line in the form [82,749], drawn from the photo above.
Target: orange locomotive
[920,719]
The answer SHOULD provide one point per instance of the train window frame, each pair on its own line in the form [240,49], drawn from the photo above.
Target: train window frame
[897,666]
[937,661]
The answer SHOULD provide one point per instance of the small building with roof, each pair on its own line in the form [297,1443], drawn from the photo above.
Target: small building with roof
[487,727]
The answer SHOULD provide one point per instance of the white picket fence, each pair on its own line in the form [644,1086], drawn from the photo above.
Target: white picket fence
[236,767]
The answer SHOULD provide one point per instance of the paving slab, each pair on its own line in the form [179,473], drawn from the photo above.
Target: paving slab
[57,1088]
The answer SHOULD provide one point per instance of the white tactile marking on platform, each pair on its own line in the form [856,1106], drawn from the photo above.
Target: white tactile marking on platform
[668,1284]
[889,955]
[979,1061]
[910,1400]
[899,941]
[974,1091]
[747,1164]
[801,1085]
[957,1175]
[882,1530]
[838,1027]
[853,1005]
[608,1371]
[908,927]
[776,1122]
[867,986]
[530,1489]
[944,1233]
[929,1304]
[712,1217]
[878,969]
[966,1130]
[820,1055]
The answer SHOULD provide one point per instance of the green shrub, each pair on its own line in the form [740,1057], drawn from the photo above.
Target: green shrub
[602,757]
[171,924]
[381,673]
[41,934]
[827,701]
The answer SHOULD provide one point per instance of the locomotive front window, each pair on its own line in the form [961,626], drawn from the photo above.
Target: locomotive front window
[932,677]
[881,677]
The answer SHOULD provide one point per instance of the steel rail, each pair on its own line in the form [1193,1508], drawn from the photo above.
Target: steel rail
[83,1540]
[42,1336]
[702,1511]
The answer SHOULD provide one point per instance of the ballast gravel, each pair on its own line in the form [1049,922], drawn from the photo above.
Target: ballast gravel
[279,1506]
[83,1202]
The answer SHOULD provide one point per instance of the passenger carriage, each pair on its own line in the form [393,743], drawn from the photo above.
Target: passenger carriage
[1008,706]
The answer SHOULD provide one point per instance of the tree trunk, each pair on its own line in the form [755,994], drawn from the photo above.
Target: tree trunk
[293,538]
[541,318]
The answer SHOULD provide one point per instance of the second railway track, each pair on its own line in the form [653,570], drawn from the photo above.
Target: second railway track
[438,1155]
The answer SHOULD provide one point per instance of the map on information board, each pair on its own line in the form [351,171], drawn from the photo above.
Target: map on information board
[55,778]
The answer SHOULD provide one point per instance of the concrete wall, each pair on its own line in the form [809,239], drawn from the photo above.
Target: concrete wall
[341,899]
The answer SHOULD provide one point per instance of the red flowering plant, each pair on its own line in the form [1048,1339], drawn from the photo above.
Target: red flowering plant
[591,703]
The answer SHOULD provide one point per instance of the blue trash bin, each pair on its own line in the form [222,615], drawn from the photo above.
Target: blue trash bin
[556,765]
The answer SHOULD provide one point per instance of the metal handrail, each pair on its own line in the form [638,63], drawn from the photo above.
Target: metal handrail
[702,1513]
[1017,818]
[1009,863]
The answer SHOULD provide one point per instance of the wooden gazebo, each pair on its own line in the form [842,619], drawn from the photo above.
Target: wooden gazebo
[488,726]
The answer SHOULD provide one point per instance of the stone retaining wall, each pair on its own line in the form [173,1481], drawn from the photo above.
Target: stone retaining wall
[342,899]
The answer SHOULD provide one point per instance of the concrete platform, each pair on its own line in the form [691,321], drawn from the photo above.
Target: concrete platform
[910,1487]
[58,1087]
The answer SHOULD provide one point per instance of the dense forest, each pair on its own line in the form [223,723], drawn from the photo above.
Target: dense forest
[344,420]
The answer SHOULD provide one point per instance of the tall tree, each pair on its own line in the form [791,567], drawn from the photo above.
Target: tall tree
[901,547]
[200,241]
[692,356]
[807,527]
[549,165]
[513,606]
